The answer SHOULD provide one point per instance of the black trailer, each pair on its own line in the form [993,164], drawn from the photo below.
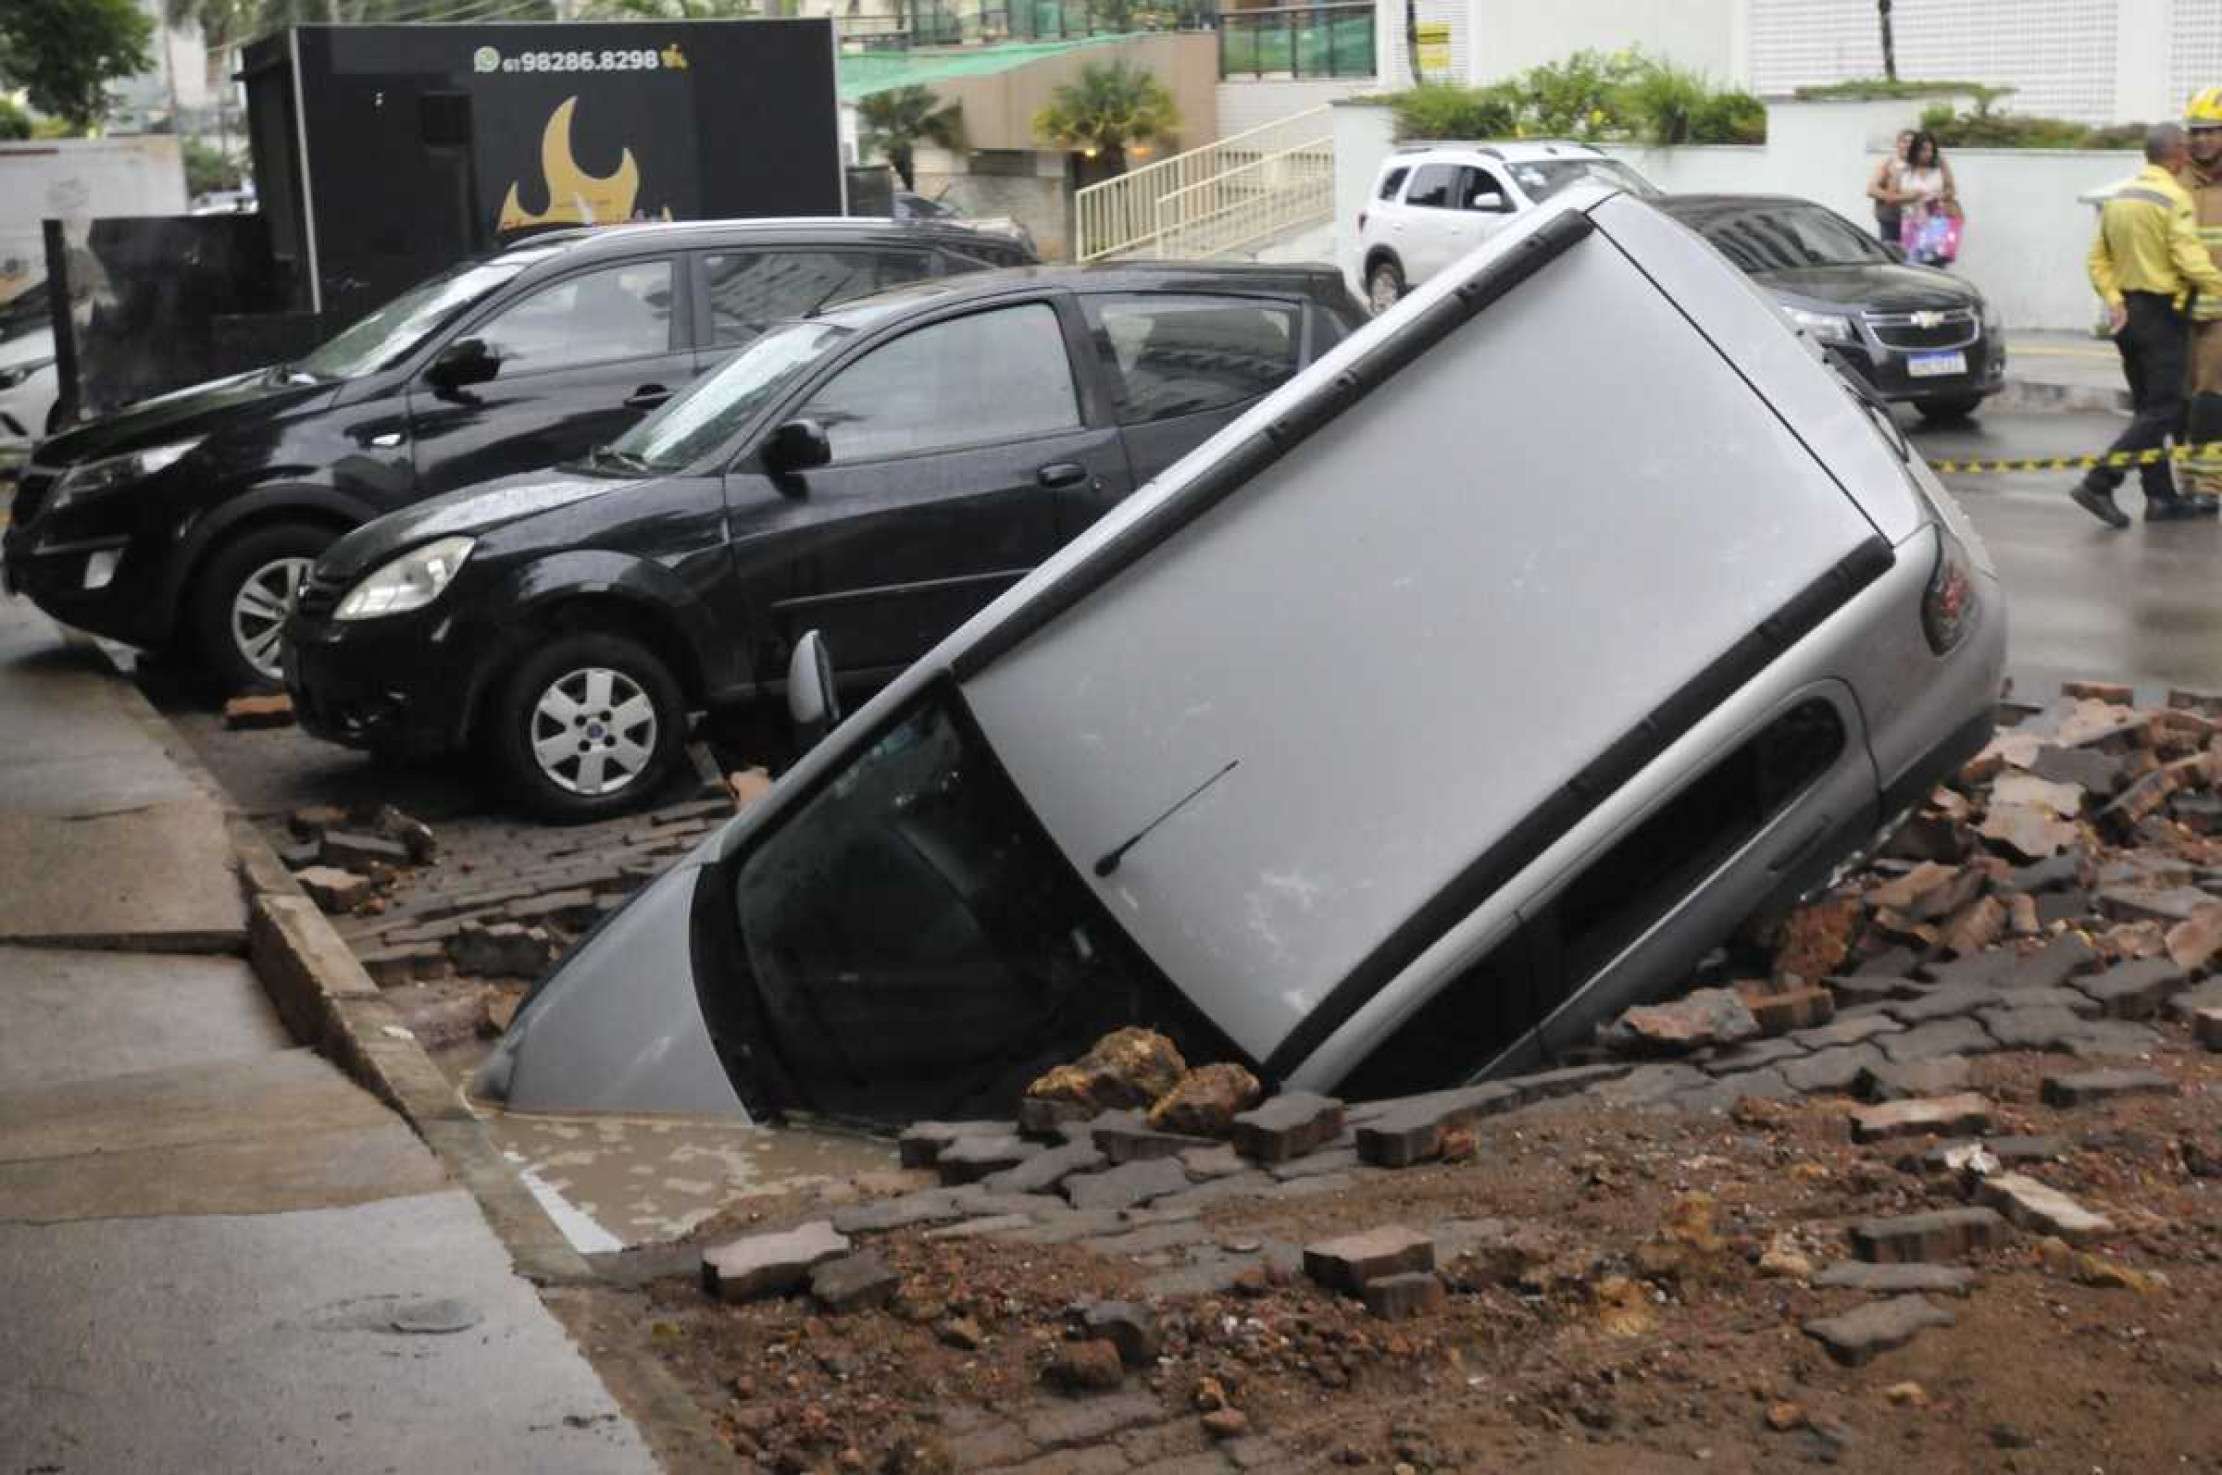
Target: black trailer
[384,153]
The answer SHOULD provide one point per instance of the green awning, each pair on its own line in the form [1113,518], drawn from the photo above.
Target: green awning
[866,72]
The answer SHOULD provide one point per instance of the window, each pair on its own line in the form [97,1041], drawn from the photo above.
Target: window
[398,329]
[1478,189]
[999,375]
[912,944]
[1621,896]
[751,290]
[1545,179]
[1784,237]
[1172,356]
[619,312]
[1394,182]
[1432,186]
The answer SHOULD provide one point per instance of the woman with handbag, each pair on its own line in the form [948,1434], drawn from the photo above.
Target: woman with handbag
[1929,223]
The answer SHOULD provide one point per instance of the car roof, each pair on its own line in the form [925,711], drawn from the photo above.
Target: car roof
[1696,204]
[1123,276]
[591,241]
[1503,151]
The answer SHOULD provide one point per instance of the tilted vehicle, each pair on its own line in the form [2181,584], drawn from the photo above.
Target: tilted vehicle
[1913,334]
[1405,731]
[1432,203]
[191,519]
[879,472]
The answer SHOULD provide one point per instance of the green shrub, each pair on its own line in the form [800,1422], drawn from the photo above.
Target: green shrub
[1730,117]
[1442,110]
[1594,96]
[1983,127]
[1884,89]
[14,122]
[207,168]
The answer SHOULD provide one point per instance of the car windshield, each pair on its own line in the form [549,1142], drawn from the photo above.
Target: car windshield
[1543,178]
[705,417]
[914,945]
[1785,236]
[394,331]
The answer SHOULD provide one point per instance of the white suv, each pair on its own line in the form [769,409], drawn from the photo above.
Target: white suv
[1434,202]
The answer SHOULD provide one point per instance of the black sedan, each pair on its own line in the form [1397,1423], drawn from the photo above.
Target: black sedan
[878,474]
[1914,334]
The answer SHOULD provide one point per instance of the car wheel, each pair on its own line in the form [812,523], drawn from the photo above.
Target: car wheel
[242,598]
[588,726]
[1945,411]
[1384,286]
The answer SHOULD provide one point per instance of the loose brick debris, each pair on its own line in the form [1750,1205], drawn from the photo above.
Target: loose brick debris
[1941,1088]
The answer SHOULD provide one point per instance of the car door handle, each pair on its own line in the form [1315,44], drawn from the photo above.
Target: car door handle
[1061,474]
[647,397]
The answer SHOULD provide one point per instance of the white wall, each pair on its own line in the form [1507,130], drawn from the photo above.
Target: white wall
[2027,234]
[78,179]
[1246,102]
[1704,35]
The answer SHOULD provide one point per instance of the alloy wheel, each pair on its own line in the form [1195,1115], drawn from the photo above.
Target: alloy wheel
[259,610]
[593,731]
[1381,291]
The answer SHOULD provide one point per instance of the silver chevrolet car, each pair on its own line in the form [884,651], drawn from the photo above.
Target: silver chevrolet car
[1465,691]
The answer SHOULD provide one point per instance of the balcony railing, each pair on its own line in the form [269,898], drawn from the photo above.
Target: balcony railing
[1215,199]
[1297,41]
[973,22]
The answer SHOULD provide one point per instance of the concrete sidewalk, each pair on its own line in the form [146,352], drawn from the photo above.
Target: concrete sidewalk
[2063,371]
[216,1252]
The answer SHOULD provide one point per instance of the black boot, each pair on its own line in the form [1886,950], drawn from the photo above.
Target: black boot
[2099,502]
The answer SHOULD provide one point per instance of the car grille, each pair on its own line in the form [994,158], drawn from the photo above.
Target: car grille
[319,596]
[1954,328]
[30,492]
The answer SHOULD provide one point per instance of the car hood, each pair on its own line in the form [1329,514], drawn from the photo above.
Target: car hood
[1880,287]
[468,511]
[200,409]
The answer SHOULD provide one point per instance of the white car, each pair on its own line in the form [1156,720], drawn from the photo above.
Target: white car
[28,386]
[1434,202]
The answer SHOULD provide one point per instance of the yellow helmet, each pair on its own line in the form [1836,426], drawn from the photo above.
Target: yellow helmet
[2204,110]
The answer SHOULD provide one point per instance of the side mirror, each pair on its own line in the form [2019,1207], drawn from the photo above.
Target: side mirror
[812,701]
[797,445]
[463,362]
[1894,251]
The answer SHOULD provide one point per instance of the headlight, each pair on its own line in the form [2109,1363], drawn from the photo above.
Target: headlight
[15,374]
[411,581]
[114,473]
[1829,327]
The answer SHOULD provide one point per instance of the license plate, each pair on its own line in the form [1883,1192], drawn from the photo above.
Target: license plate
[1936,365]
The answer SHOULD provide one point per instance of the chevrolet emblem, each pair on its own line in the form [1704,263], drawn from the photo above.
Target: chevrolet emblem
[1927,319]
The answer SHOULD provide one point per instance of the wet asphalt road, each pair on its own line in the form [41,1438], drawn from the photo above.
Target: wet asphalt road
[2143,605]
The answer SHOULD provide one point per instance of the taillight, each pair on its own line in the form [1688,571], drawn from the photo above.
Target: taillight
[1948,605]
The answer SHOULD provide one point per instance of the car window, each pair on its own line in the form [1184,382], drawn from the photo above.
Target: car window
[1169,356]
[751,290]
[619,312]
[1785,236]
[1478,189]
[398,329]
[999,375]
[1432,185]
[1393,182]
[1547,177]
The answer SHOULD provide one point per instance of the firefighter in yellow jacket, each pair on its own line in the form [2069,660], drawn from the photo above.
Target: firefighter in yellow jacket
[2149,265]
[2202,178]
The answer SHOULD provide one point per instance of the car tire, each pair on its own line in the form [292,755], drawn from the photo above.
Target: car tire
[1948,411]
[589,725]
[241,598]
[1384,285]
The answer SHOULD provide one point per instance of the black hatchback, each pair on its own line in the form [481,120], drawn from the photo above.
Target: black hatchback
[878,473]
[1913,334]
[190,519]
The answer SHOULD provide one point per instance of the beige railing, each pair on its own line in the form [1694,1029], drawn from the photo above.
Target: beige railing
[1216,198]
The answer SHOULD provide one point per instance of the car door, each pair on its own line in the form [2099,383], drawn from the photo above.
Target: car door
[953,445]
[577,361]
[1423,237]
[1480,206]
[1181,365]
[742,290]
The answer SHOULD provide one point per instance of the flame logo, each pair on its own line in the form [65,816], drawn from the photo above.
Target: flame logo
[575,197]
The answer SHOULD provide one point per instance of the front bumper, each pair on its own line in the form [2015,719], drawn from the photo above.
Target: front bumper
[1889,371]
[402,684]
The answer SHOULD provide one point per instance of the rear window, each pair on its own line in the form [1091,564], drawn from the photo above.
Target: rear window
[750,290]
[1432,186]
[1394,182]
[1170,356]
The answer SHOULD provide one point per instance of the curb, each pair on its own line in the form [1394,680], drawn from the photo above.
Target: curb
[2038,395]
[329,1003]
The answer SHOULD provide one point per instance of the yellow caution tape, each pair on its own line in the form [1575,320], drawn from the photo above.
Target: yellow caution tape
[2206,457]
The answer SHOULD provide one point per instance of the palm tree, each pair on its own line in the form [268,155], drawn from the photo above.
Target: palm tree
[1109,108]
[1890,45]
[897,120]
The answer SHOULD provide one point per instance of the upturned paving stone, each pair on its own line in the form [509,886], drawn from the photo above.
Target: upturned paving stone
[1288,1126]
[2008,1150]
[1797,1008]
[931,1206]
[332,889]
[1650,1085]
[1351,1262]
[2207,995]
[923,1142]
[1414,1133]
[1896,1280]
[1568,1080]
[767,1264]
[1846,1029]
[2041,1207]
[1984,969]
[1751,1055]
[1927,1116]
[1400,1297]
[2047,1027]
[1125,1144]
[1125,1186]
[1217,1161]
[1858,1336]
[854,1282]
[1887,1082]
[2053,873]
[1941,1234]
[1937,1038]
[2053,964]
[2064,906]
[1831,1070]
[1945,1001]
[354,850]
[1706,1016]
[1045,1169]
[1041,1117]
[1852,992]
[2152,904]
[2081,1088]
[421,962]
[2135,990]
[2113,1039]
[1129,1326]
[969,1159]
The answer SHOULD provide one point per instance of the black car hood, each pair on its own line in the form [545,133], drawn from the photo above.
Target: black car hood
[1881,287]
[200,409]
[469,511]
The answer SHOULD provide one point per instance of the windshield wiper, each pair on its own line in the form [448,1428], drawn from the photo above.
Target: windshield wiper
[812,310]
[623,460]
